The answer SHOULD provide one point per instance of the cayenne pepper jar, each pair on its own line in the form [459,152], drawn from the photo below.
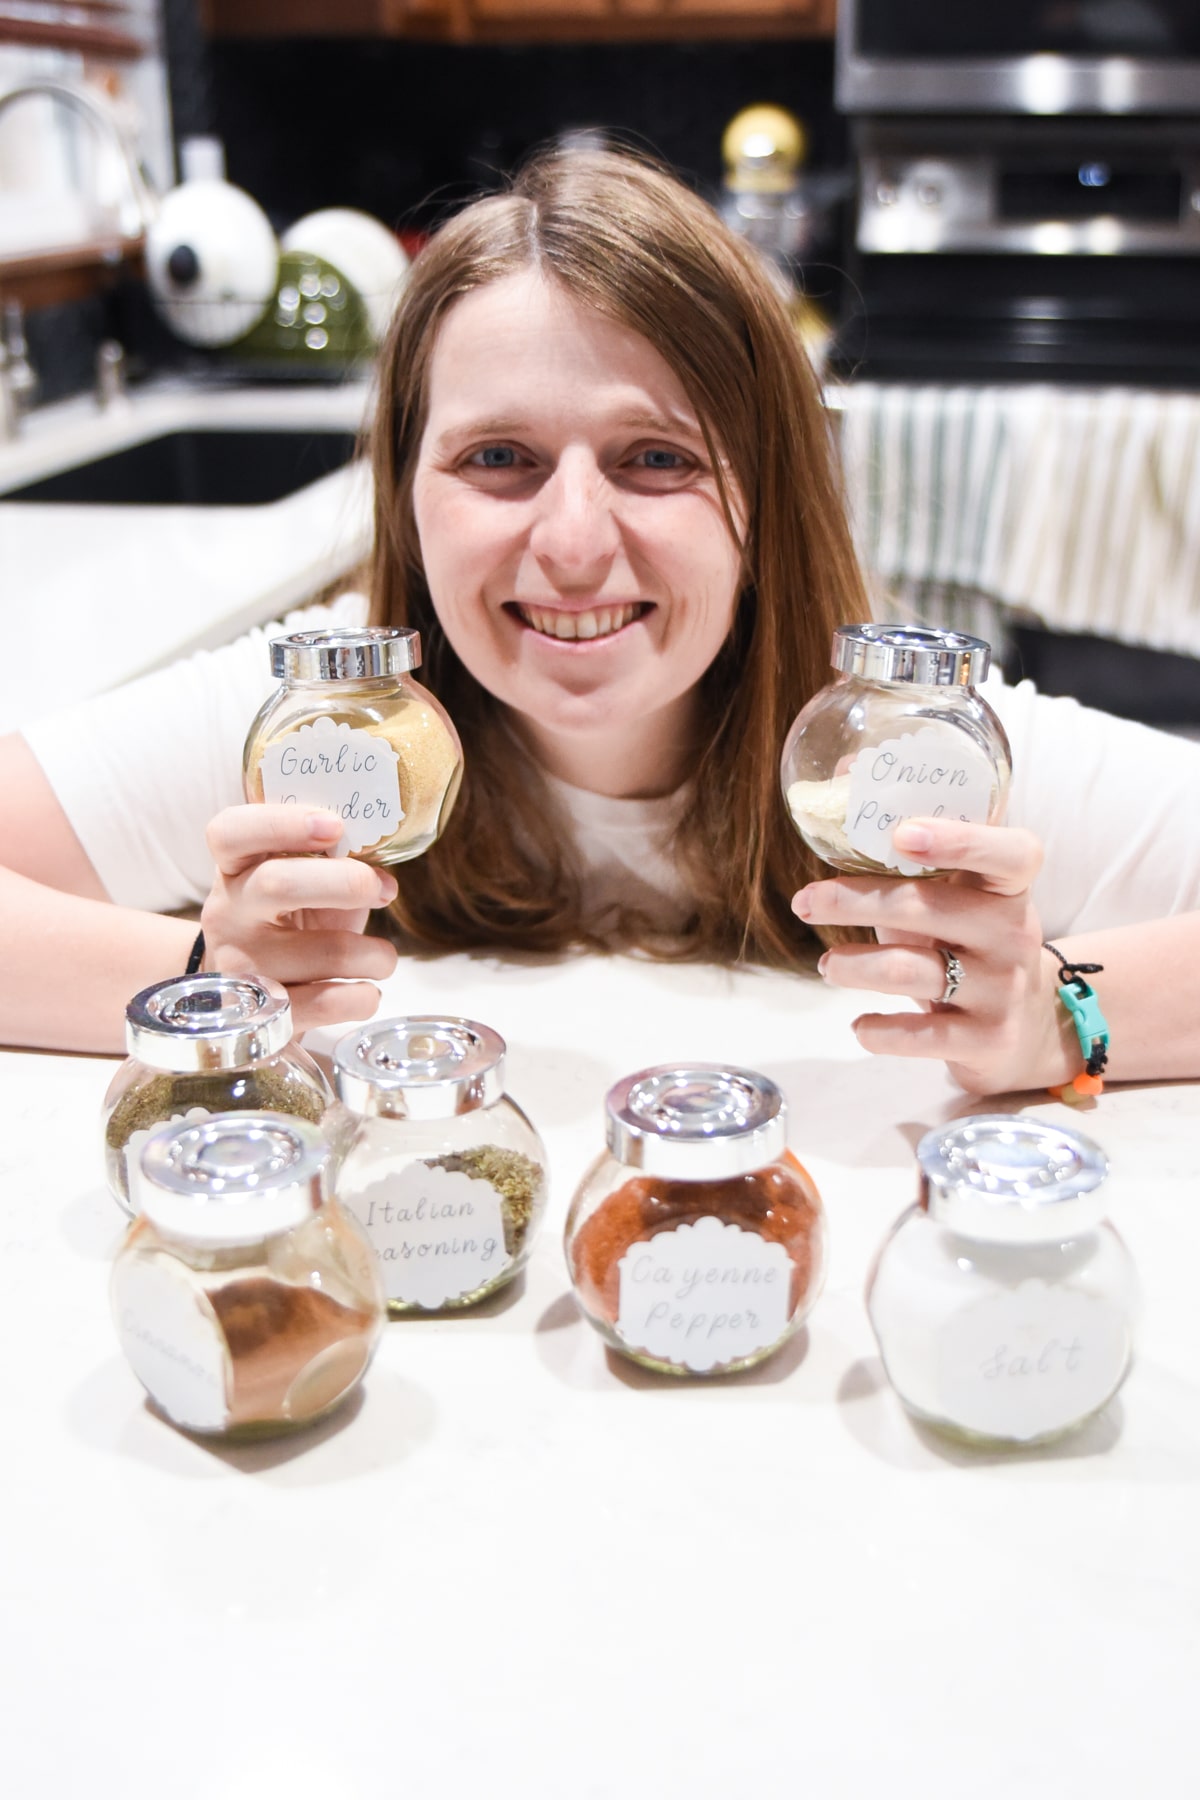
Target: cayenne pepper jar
[203,1044]
[246,1301]
[351,732]
[901,734]
[441,1168]
[696,1243]
[1003,1300]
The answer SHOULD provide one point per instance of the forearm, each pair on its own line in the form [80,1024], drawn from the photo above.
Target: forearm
[1149,992]
[68,966]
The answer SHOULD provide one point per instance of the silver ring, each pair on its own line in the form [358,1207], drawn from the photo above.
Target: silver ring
[954,977]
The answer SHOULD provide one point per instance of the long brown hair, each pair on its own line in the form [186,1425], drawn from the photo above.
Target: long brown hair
[623,236]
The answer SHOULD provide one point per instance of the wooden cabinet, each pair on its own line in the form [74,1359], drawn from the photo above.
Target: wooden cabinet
[521,21]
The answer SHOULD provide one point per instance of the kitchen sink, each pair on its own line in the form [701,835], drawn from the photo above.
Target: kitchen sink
[198,468]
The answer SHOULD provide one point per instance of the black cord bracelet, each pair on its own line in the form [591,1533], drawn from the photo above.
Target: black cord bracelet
[197,956]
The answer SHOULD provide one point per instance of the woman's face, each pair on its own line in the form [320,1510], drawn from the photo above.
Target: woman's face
[572,531]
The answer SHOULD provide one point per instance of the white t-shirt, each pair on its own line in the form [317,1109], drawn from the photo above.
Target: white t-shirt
[140,771]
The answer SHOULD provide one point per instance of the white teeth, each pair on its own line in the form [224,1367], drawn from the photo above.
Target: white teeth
[571,626]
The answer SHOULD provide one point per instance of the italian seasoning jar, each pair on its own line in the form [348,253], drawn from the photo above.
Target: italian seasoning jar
[203,1044]
[1003,1300]
[443,1171]
[349,731]
[696,1243]
[246,1301]
[900,734]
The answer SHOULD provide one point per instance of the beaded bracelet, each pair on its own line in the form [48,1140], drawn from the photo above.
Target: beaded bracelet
[1091,1027]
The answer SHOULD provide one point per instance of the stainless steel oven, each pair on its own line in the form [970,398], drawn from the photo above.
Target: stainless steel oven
[1028,189]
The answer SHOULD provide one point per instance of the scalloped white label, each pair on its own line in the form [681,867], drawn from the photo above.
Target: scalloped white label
[342,769]
[1035,1360]
[934,773]
[136,1142]
[438,1233]
[704,1294]
[173,1342]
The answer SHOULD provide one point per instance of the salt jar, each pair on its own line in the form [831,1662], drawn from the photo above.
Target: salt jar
[246,1301]
[1003,1300]
[349,731]
[901,733]
[202,1044]
[696,1243]
[443,1171]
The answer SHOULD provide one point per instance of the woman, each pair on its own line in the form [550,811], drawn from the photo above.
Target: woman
[605,495]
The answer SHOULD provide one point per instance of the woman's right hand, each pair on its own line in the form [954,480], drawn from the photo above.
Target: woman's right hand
[280,908]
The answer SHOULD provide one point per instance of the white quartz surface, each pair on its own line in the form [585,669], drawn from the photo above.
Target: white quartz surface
[92,596]
[522,1566]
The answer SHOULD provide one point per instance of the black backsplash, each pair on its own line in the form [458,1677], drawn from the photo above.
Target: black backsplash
[406,130]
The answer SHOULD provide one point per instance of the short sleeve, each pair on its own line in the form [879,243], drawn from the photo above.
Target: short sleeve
[140,771]
[1115,806]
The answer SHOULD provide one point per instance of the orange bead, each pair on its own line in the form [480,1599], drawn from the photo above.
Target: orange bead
[1056,1093]
[1089,1084]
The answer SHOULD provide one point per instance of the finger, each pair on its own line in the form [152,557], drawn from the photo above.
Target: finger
[297,957]
[242,835]
[941,1035]
[283,885]
[1004,858]
[918,973]
[332,1003]
[943,912]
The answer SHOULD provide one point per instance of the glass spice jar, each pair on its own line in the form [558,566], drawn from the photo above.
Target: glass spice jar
[202,1044]
[442,1170]
[696,1243]
[1003,1300]
[350,731]
[900,734]
[246,1301]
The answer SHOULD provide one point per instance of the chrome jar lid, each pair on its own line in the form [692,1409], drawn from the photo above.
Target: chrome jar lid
[194,1024]
[917,653]
[233,1179]
[345,653]
[1012,1180]
[696,1121]
[421,1067]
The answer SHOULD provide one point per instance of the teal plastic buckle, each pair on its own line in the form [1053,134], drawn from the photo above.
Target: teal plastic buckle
[1091,1026]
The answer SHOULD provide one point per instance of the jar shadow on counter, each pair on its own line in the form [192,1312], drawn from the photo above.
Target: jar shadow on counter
[876,1418]
[385,1421]
[574,1352]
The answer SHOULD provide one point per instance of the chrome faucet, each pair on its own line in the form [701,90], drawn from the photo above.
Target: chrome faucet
[140,203]
[18,382]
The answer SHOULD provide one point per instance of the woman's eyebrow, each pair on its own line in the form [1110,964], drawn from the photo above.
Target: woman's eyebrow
[502,425]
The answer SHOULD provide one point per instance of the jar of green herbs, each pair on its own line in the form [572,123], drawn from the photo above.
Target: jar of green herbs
[203,1044]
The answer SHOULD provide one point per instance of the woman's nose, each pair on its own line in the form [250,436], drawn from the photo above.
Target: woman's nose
[574,535]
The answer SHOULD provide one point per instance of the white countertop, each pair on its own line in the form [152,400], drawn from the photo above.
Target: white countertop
[105,593]
[523,1566]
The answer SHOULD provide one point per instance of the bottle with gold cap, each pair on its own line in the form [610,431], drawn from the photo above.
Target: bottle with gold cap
[763,150]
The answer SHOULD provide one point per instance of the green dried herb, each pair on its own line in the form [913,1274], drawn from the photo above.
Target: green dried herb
[517,1179]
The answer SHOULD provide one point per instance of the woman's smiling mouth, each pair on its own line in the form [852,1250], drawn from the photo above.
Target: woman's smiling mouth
[571,627]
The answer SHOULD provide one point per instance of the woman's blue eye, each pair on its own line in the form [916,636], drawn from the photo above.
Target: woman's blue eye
[662,459]
[497,456]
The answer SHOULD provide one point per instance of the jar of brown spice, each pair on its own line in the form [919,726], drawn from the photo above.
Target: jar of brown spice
[247,1302]
[696,1244]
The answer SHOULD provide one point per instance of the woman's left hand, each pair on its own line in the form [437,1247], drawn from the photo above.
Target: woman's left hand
[1001,1031]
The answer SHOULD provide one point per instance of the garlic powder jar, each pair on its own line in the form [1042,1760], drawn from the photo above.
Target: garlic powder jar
[246,1301]
[203,1044]
[1003,1301]
[901,733]
[696,1243]
[441,1168]
[349,731]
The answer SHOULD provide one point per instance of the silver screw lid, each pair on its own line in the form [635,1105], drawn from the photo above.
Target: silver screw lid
[194,1024]
[345,653]
[1012,1180]
[918,653]
[696,1121]
[233,1179]
[420,1067]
